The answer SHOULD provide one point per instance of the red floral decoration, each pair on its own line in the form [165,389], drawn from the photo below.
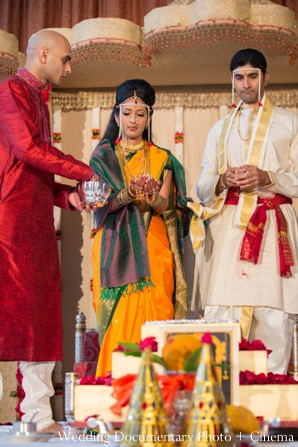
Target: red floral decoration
[148,342]
[19,393]
[250,378]
[92,380]
[255,345]
[45,94]
[123,388]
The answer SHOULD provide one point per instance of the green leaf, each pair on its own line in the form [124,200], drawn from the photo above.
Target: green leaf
[159,360]
[131,347]
[132,353]
[13,394]
[191,363]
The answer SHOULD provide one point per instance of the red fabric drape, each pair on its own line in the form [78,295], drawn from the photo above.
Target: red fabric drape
[25,17]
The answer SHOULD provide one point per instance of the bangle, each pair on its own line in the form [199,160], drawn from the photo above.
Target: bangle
[123,198]
[131,194]
[155,202]
[222,182]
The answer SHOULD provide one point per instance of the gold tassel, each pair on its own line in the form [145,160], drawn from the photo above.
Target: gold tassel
[207,423]
[146,424]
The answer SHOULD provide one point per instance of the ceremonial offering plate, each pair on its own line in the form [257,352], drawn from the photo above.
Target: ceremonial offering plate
[10,436]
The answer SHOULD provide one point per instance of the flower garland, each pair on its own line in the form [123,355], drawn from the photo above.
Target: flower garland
[250,378]
[179,133]
[45,94]
[255,345]
[19,393]
[93,380]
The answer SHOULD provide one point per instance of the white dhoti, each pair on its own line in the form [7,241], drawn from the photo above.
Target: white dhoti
[38,388]
[272,326]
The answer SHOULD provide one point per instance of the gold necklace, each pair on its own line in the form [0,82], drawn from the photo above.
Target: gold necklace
[144,165]
[239,115]
[132,148]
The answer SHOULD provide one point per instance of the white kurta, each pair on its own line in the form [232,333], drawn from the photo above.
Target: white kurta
[223,278]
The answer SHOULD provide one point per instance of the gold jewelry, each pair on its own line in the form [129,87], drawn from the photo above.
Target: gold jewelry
[239,116]
[130,193]
[156,202]
[123,198]
[132,148]
[144,168]
[144,165]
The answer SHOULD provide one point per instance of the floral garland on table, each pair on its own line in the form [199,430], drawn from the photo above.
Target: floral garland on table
[255,345]
[19,393]
[250,378]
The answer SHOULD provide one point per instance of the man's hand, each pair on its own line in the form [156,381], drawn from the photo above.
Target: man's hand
[248,176]
[95,178]
[75,200]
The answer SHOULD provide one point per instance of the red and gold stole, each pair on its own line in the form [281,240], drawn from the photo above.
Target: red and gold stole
[253,236]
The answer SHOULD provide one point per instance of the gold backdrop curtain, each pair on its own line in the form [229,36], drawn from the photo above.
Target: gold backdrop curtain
[25,17]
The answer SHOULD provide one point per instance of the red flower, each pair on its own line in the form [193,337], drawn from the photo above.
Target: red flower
[250,378]
[149,342]
[20,392]
[255,345]
[258,345]
[92,380]
[261,379]
[270,378]
[119,348]
[206,338]
[244,345]
[45,94]
[19,376]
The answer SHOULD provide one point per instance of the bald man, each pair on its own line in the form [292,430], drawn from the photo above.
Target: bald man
[30,297]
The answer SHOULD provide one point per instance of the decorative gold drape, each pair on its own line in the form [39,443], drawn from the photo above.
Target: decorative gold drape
[25,17]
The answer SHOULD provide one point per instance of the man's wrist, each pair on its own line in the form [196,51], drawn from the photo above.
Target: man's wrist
[269,181]
[222,182]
